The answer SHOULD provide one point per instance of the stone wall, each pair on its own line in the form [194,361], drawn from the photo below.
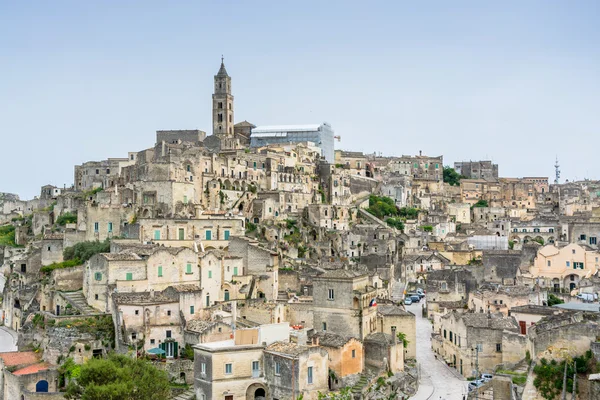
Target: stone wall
[68,279]
[179,370]
[299,314]
[514,347]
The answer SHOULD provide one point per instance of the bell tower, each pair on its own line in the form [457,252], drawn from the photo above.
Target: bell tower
[222,103]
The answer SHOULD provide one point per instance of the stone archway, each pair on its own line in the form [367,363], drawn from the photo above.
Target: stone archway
[256,391]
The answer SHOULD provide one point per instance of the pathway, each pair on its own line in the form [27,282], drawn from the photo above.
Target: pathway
[438,381]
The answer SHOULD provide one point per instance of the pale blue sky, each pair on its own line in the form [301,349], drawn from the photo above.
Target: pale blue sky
[514,81]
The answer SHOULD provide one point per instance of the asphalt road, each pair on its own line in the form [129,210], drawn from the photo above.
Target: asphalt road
[438,381]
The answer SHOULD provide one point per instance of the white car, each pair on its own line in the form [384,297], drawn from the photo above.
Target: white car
[475,384]
[486,377]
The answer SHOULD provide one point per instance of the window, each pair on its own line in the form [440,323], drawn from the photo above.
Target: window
[203,368]
[188,269]
[582,237]
[188,168]
[137,312]
[353,353]
[310,375]
[181,234]
[324,326]
[573,251]
[235,271]
[169,314]
[577,265]
[568,264]
[98,276]
[96,227]
[498,347]
[450,335]
[97,171]
[209,274]
[255,369]
[444,334]
[220,105]
[110,227]
[168,334]
[107,171]
[549,263]
[480,347]
[160,271]
[156,234]
[226,235]
[593,240]
[228,369]
[277,368]
[220,118]
[191,309]
[152,341]
[133,336]
[129,276]
[184,199]
[208,235]
[330,295]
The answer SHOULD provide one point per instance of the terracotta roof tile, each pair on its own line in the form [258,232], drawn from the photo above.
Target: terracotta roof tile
[19,358]
[32,369]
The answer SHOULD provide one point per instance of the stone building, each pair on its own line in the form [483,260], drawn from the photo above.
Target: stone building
[392,319]
[561,268]
[384,352]
[24,376]
[462,335]
[344,303]
[346,356]
[477,169]
[502,299]
[293,370]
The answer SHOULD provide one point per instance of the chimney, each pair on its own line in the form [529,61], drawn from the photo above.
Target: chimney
[420,153]
[315,340]
[394,337]
[151,293]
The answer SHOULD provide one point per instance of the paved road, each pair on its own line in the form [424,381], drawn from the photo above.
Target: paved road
[438,381]
[8,340]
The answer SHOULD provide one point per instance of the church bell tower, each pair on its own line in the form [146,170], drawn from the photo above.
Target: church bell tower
[222,104]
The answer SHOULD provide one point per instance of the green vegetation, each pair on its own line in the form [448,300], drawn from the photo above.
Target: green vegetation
[101,327]
[402,337]
[301,251]
[339,165]
[553,300]
[344,394]
[382,206]
[427,228]
[395,223]
[539,240]
[408,212]
[252,189]
[511,244]
[517,378]
[250,227]
[119,377]
[452,177]
[187,352]
[481,203]
[7,236]
[85,250]
[549,375]
[66,218]
[91,192]
[65,264]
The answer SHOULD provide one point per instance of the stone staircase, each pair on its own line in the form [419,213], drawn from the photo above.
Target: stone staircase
[398,291]
[187,395]
[282,296]
[78,301]
[359,386]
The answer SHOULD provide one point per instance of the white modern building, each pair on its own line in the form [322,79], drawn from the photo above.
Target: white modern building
[321,135]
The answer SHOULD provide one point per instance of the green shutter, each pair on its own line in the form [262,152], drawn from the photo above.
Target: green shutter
[209,274]
[226,235]
[235,271]
[175,350]
[188,269]
[160,270]
[129,276]
[156,234]
[208,235]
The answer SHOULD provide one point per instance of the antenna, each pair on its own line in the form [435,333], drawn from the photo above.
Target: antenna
[557,171]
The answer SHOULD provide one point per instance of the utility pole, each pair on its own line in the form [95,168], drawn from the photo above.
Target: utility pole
[574,380]
[564,389]
[476,369]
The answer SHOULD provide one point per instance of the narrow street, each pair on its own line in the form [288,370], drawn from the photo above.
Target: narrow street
[438,381]
[8,340]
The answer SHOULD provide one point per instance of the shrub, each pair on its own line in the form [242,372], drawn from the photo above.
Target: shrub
[65,264]
[66,218]
[481,203]
[85,250]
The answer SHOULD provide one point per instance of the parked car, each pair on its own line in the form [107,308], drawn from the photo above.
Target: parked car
[587,297]
[486,377]
[407,301]
[475,384]
[415,298]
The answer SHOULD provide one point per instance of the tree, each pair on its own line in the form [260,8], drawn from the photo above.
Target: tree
[119,377]
[402,337]
[83,251]
[481,203]
[395,223]
[553,300]
[452,177]
[66,218]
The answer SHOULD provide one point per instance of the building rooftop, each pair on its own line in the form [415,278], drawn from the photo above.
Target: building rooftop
[32,369]
[485,320]
[19,358]
[285,128]
[200,325]
[385,309]
[288,348]
[534,310]
[328,339]
[593,307]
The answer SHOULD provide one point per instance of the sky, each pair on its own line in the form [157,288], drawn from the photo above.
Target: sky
[515,82]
